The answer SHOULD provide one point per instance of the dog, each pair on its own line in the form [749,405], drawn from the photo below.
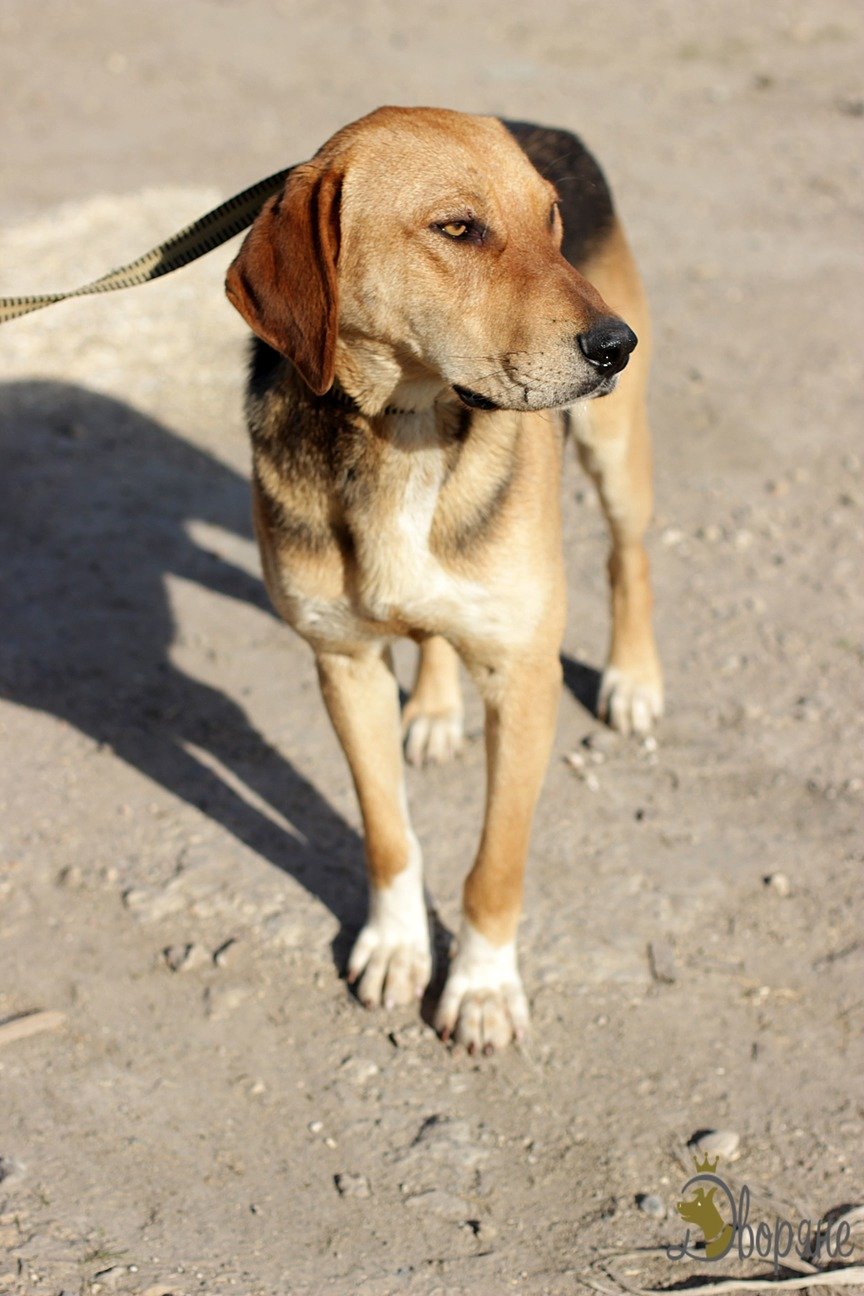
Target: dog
[429,297]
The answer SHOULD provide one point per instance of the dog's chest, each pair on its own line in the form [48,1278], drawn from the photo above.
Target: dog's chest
[397,576]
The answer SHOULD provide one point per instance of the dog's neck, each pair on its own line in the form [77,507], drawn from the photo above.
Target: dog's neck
[338,396]
[375,382]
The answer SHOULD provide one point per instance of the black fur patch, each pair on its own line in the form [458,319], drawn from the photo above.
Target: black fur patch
[264,363]
[586,203]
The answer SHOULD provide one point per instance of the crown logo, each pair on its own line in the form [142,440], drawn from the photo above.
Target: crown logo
[706,1166]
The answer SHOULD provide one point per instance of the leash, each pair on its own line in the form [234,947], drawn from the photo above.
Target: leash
[190,243]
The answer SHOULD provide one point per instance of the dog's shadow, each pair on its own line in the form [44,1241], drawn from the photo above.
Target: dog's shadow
[95,504]
[583,682]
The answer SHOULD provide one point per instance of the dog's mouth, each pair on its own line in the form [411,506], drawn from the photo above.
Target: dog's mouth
[604,387]
[473,399]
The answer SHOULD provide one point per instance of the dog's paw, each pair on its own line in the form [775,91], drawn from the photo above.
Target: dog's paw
[391,961]
[388,973]
[483,1005]
[629,702]
[432,738]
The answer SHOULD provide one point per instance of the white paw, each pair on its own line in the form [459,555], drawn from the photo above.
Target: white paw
[391,960]
[433,738]
[483,1005]
[627,703]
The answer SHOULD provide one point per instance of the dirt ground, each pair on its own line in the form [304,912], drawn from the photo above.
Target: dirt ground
[226,1118]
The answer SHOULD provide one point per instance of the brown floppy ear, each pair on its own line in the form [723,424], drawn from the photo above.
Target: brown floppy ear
[283,279]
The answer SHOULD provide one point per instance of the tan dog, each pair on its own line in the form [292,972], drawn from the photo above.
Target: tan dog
[406,482]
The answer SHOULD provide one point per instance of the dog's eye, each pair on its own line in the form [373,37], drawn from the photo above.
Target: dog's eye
[462,231]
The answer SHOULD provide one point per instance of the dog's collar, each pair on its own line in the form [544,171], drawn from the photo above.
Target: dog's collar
[337,396]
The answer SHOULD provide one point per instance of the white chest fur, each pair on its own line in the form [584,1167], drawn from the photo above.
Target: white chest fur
[397,574]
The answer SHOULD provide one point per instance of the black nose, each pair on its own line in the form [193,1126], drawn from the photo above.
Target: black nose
[607,345]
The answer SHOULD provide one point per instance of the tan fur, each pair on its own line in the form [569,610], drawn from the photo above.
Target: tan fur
[403,528]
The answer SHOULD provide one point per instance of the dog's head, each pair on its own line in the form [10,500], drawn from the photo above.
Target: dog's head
[420,250]
[701,1211]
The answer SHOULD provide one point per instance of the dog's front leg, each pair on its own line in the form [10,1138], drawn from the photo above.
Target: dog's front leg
[391,958]
[483,1004]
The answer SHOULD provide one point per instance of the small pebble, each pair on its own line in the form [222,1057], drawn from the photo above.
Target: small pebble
[11,1170]
[711,533]
[358,1069]
[70,876]
[651,1204]
[184,958]
[225,952]
[111,1277]
[406,1036]
[352,1185]
[778,882]
[724,1143]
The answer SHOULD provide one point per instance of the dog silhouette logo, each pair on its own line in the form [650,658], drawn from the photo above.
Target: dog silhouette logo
[703,1210]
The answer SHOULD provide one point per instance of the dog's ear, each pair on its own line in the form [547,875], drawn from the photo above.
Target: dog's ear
[283,279]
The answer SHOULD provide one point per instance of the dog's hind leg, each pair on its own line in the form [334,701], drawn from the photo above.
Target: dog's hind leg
[433,717]
[391,959]
[614,447]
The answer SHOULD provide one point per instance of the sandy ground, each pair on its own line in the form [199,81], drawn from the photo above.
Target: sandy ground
[169,776]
